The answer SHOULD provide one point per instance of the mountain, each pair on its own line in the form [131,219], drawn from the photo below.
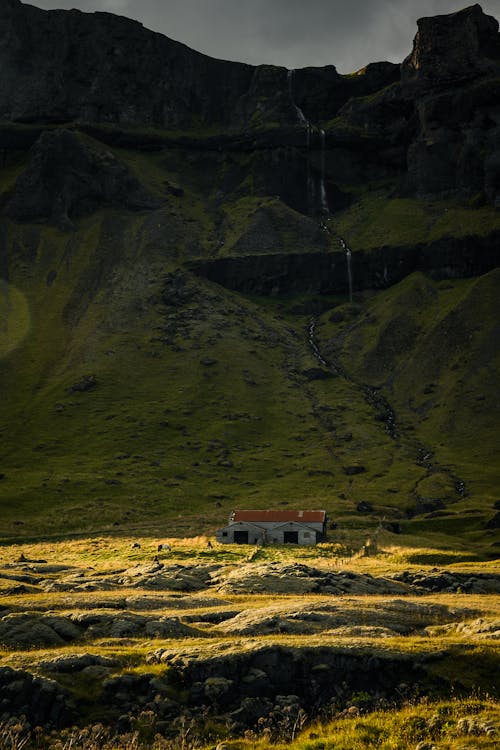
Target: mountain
[178,337]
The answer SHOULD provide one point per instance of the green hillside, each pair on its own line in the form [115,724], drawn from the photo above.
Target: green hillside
[138,395]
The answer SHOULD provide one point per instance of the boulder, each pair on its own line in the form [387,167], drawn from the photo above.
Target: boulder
[25,630]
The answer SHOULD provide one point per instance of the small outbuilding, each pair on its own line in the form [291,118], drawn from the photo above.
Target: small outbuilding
[303,527]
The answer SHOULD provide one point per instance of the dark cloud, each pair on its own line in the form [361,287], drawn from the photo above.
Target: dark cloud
[293,33]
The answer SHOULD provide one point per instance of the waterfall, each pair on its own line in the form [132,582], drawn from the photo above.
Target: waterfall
[300,115]
[348,256]
[322,186]
[317,198]
[349,272]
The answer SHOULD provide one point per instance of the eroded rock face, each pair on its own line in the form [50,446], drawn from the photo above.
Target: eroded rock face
[43,702]
[326,273]
[69,177]
[284,578]
[451,49]
[59,66]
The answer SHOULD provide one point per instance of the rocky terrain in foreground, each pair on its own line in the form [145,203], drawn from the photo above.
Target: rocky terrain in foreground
[209,636]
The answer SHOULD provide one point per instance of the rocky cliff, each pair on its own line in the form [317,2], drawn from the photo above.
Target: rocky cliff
[431,125]
[60,66]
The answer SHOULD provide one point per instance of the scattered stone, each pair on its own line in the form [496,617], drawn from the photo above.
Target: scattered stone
[317,373]
[353,470]
[86,383]
[364,507]
[494,523]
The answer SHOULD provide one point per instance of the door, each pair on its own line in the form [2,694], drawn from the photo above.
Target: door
[291,537]
[241,537]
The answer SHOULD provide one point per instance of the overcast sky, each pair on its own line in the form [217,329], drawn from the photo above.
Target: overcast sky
[293,33]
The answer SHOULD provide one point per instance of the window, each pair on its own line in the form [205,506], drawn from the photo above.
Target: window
[224,533]
[306,535]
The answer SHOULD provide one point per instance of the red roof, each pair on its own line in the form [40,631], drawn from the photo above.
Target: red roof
[279,516]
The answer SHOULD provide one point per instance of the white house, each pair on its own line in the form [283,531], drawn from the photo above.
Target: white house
[304,527]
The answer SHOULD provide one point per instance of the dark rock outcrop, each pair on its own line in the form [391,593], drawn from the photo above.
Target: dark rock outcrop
[69,177]
[314,676]
[42,702]
[452,76]
[59,66]
[326,273]
[431,125]
[451,49]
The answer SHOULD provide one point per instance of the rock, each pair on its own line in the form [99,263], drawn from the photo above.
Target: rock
[364,507]
[353,470]
[494,523]
[41,701]
[347,618]
[76,663]
[298,579]
[131,625]
[216,688]
[86,383]
[175,190]
[287,273]
[178,289]
[25,630]
[451,49]
[69,177]
[440,580]
[119,72]
[317,373]
[393,527]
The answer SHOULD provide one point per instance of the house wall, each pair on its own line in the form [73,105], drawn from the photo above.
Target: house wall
[306,535]
[268,525]
[270,533]
[226,535]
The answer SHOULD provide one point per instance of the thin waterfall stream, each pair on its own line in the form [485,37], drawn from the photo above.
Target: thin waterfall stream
[386,415]
[323,197]
[371,395]
[317,196]
[348,255]
[317,199]
[300,115]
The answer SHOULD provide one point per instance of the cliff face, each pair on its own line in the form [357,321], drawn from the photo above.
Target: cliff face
[452,49]
[60,66]
[430,126]
[66,65]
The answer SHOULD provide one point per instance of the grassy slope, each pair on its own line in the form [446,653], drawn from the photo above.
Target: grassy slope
[378,218]
[167,441]
[433,349]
